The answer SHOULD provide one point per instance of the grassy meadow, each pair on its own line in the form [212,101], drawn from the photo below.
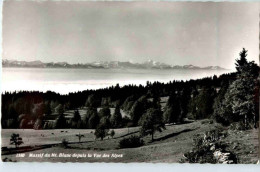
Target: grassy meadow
[168,146]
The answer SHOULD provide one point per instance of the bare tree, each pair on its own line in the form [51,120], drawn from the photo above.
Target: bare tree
[80,136]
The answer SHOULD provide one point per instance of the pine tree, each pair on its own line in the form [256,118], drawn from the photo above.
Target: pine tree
[76,120]
[151,122]
[112,133]
[138,109]
[105,112]
[204,103]
[240,96]
[172,111]
[116,119]
[242,61]
[92,119]
[184,102]
[101,131]
[239,103]
[59,109]
[222,113]
[60,122]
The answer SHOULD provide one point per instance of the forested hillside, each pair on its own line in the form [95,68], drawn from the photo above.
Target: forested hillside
[229,98]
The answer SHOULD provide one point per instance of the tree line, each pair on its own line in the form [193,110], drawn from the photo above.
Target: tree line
[229,98]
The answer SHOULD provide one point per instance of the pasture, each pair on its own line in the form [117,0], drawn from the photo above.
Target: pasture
[168,146]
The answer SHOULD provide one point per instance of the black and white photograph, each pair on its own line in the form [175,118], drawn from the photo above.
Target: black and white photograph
[132,81]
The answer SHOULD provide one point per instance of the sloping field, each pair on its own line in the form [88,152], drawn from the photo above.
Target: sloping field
[245,144]
[169,145]
[41,137]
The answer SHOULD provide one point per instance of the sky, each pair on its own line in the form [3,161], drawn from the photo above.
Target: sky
[176,33]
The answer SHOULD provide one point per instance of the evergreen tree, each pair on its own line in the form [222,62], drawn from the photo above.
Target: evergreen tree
[76,120]
[204,103]
[105,122]
[13,117]
[105,112]
[222,113]
[92,101]
[101,131]
[116,119]
[106,101]
[156,101]
[59,109]
[138,109]
[47,108]
[112,133]
[192,106]
[242,61]
[172,111]
[128,103]
[60,122]
[184,102]
[92,119]
[151,122]
[239,98]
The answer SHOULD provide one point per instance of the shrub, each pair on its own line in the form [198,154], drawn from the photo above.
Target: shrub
[112,133]
[101,132]
[214,135]
[64,143]
[211,121]
[131,142]
[202,155]
[237,126]
[205,121]
[210,149]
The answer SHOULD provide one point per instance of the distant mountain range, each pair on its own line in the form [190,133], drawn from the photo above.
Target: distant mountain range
[150,64]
